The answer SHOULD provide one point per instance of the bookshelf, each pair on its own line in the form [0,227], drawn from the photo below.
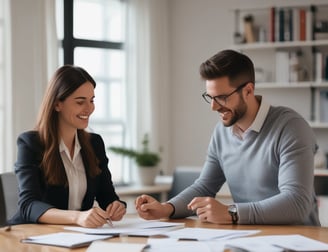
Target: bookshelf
[290,52]
[281,45]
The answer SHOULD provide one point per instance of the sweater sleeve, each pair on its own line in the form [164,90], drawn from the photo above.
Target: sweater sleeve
[208,184]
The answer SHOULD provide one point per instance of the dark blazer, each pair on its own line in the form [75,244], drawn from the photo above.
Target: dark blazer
[36,197]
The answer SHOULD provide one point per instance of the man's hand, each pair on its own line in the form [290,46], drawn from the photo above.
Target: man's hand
[150,209]
[210,210]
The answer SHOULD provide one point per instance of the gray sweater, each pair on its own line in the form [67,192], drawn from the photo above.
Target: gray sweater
[269,172]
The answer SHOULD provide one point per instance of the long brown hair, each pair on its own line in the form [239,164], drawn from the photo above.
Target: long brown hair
[64,82]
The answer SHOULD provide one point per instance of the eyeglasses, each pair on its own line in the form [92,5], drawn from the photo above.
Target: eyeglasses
[222,99]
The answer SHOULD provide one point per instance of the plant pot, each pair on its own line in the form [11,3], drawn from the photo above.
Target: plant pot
[147,175]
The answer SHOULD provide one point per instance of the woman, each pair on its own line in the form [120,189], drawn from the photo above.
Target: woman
[61,168]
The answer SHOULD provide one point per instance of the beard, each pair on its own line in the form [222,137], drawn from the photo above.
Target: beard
[236,113]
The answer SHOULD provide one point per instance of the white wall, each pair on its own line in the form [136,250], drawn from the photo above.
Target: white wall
[29,62]
[199,29]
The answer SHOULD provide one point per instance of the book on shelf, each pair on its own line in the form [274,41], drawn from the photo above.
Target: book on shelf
[272,28]
[289,67]
[302,18]
[319,66]
[286,24]
[281,25]
[325,67]
[324,106]
[282,67]
[309,24]
[296,25]
[290,24]
[299,23]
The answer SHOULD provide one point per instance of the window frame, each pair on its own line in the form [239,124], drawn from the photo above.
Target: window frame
[69,43]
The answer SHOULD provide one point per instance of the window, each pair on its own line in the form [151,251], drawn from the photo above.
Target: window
[2,93]
[92,34]
[6,144]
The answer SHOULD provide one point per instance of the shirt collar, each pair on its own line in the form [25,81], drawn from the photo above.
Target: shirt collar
[63,147]
[261,115]
[258,121]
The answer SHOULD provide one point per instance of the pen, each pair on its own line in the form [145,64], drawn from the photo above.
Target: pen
[6,228]
[109,222]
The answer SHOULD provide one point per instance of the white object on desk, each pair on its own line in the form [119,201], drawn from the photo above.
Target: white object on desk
[99,246]
[173,245]
[128,226]
[205,234]
[65,239]
[284,242]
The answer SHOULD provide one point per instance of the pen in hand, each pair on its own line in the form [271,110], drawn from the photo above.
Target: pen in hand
[109,222]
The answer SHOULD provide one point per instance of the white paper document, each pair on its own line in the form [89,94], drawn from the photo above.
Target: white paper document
[272,243]
[133,226]
[99,246]
[65,239]
[204,234]
[174,245]
[276,243]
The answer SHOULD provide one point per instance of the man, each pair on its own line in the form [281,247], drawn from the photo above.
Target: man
[264,153]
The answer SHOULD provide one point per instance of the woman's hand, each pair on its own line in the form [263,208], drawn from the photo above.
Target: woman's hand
[94,217]
[116,210]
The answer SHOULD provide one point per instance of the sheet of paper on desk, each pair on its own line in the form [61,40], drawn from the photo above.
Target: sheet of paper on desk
[65,239]
[174,245]
[279,242]
[203,234]
[100,246]
[147,232]
[128,226]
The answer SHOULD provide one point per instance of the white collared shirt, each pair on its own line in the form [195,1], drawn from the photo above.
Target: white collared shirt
[258,121]
[75,172]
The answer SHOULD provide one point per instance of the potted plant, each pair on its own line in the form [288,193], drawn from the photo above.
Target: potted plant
[145,159]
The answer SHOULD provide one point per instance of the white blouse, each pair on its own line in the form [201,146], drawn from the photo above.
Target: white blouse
[75,172]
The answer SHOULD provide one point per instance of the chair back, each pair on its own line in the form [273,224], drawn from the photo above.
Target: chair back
[8,196]
[183,177]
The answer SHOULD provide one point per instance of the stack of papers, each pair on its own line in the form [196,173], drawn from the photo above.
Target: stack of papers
[133,227]
[278,243]
[171,236]
[65,239]
[205,234]
[99,246]
[272,243]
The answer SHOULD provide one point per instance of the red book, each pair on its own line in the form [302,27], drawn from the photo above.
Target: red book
[302,24]
[272,24]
